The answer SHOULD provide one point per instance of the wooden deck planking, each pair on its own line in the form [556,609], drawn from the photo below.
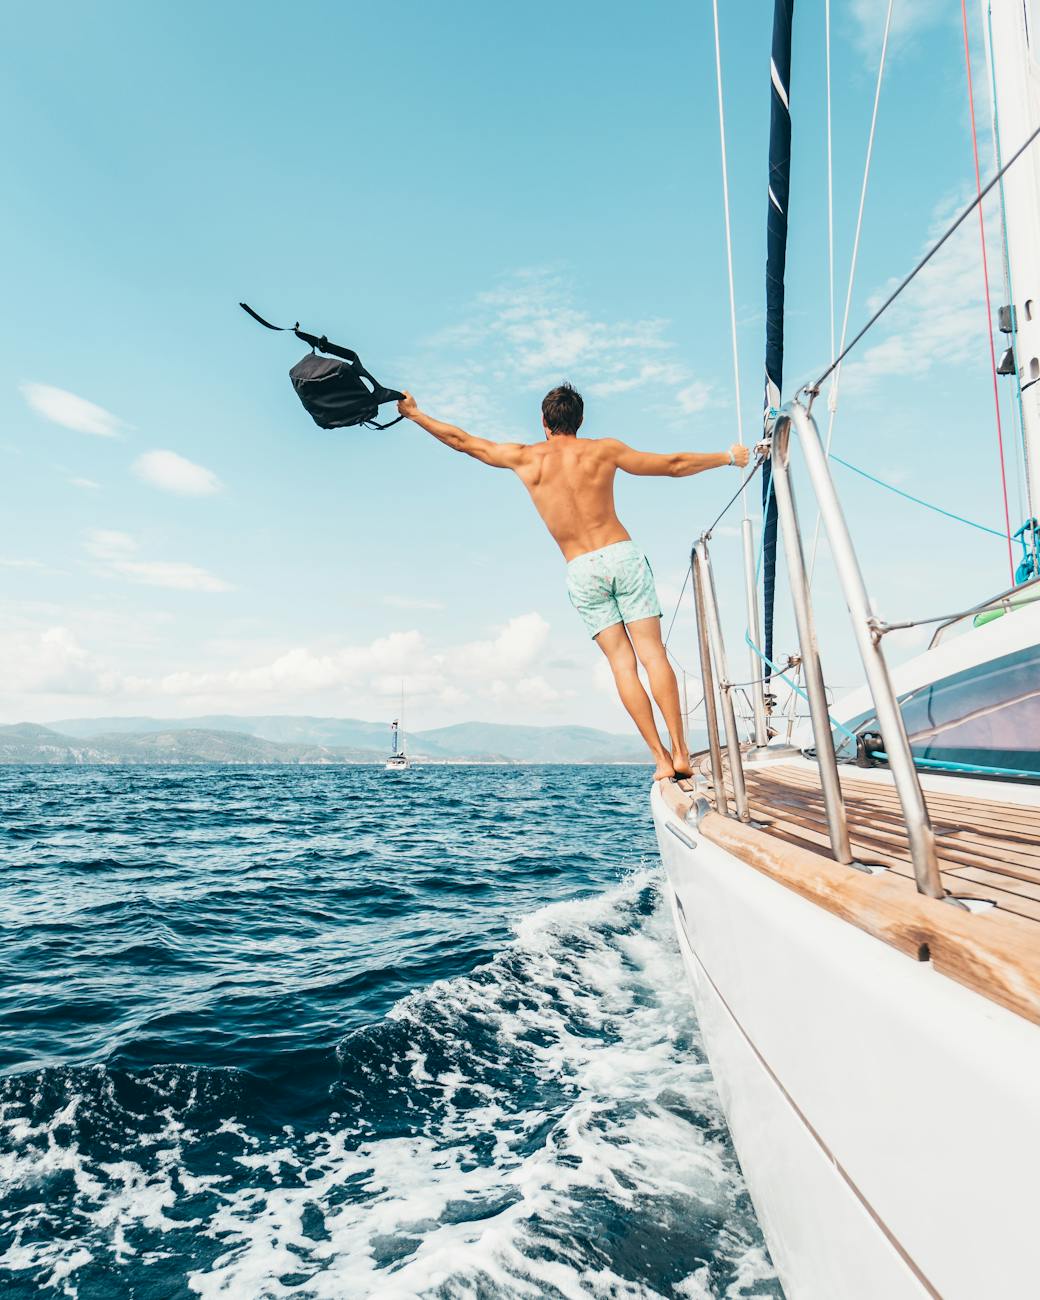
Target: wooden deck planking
[986,849]
[994,952]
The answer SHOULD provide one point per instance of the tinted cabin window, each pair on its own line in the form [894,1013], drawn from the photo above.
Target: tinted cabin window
[986,716]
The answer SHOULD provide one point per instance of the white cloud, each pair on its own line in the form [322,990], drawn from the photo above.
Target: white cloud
[70,411]
[49,660]
[115,551]
[515,648]
[695,397]
[909,19]
[87,484]
[167,573]
[412,602]
[173,473]
[107,544]
[529,333]
[940,319]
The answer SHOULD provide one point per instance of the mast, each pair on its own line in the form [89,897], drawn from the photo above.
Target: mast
[776,263]
[1012,29]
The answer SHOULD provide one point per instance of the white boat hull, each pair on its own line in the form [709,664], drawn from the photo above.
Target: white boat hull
[886,1118]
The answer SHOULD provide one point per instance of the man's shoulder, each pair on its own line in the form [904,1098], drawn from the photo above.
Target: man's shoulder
[604,448]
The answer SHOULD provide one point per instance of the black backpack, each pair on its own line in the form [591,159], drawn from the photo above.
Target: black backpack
[336,394]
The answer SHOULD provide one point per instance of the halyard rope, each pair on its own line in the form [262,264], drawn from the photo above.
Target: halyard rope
[985,276]
[729,242]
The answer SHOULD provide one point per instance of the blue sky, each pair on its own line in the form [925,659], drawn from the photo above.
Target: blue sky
[483,200]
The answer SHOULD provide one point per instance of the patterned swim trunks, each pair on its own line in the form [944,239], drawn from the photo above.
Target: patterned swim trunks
[612,585]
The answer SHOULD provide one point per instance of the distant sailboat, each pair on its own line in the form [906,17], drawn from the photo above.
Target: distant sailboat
[398,760]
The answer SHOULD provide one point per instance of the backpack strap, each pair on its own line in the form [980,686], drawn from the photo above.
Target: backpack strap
[266,323]
[379,394]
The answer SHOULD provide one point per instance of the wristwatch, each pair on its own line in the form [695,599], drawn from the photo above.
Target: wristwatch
[732,458]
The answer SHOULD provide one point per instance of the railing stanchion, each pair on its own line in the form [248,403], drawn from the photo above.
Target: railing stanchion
[718,650]
[758,696]
[825,757]
[708,683]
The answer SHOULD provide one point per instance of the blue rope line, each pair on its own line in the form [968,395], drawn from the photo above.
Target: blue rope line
[947,766]
[778,672]
[917,500]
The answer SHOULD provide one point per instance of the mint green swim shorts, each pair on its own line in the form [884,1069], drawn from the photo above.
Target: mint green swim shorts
[612,585]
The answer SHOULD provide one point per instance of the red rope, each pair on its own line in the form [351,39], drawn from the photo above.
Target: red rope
[989,308]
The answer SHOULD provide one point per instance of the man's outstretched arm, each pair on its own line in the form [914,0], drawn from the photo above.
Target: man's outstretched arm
[678,464]
[500,455]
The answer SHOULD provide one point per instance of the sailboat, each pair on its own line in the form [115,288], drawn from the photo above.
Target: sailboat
[398,760]
[858,906]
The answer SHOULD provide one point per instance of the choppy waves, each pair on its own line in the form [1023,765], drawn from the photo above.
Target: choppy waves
[542,1123]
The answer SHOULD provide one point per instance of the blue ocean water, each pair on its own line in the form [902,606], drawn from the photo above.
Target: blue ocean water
[331,1032]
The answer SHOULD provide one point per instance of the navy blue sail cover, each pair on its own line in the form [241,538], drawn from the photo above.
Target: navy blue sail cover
[776,263]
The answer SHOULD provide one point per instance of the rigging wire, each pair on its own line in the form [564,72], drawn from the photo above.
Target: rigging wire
[912,275]
[989,307]
[739,492]
[830,171]
[832,395]
[729,240]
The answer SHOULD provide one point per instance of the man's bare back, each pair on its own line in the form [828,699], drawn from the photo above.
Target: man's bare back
[571,482]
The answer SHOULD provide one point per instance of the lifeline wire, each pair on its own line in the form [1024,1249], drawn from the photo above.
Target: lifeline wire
[675,611]
[926,259]
[985,276]
[725,509]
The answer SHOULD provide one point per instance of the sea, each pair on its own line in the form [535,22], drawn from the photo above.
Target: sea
[333,1032]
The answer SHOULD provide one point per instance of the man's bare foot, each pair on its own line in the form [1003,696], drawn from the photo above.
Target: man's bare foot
[681,763]
[664,770]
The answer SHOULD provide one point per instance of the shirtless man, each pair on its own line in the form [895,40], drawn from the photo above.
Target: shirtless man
[571,482]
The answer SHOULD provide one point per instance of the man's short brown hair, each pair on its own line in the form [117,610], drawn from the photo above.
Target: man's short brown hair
[563,409]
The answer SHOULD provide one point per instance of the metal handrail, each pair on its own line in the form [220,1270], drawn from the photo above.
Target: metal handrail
[868,639]
[1002,600]
[708,682]
[758,695]
[709,606]
[812,670]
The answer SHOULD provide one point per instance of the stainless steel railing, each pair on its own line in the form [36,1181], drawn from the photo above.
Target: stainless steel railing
[711,646]
[865,626]
[868,631]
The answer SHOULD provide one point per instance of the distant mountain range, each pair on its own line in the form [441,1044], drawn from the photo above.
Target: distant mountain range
[226,738]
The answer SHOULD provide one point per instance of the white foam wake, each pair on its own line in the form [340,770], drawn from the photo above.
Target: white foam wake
[591,1175]
[543,1127]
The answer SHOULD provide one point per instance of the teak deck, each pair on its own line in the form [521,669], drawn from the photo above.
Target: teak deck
[987,850]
